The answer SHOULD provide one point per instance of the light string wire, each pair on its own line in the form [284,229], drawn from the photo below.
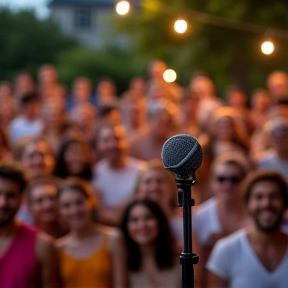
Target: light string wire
[215,20]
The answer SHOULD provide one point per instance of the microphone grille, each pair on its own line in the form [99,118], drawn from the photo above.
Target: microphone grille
[182,155]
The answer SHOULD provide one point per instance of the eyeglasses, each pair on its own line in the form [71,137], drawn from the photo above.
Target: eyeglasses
[230,179]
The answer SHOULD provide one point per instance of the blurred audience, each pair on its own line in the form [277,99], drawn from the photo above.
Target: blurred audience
[28,123]
[187,115]
[157,184]
[237,98]
[23,84]
[133,111]
[81,93]
[103,140]
[83,116]
[105,93]
[260,103]
[54,118]
[277,83]
[36,156]
[73,159]
[277,156]
[41,202]
[161,125]
[5,148]
[37,160]
[222,214]
[28,256]
[225,134]
[115,174]
[137,86]
[5,91]
[204,88]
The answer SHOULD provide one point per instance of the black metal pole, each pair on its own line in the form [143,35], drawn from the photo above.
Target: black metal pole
[187,257]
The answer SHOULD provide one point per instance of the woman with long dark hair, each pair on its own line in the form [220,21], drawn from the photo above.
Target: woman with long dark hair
[73,159]
[152,253]
[157,184]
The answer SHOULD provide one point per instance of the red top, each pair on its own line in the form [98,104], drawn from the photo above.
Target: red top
[18,264]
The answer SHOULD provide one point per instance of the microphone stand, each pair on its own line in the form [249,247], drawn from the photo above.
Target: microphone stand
[187,257]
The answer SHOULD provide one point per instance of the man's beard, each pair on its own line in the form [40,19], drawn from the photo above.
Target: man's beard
[6,221]
[269,229]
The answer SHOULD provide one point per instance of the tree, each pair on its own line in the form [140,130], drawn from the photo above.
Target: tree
[118,64]
[229,49]
[27,42]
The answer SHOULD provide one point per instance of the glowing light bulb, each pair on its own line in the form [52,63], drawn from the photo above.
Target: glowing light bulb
[169,75]
[267,47]
[180,26]
[123,7]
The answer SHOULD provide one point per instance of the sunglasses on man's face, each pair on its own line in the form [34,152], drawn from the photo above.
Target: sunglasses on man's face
[230,179]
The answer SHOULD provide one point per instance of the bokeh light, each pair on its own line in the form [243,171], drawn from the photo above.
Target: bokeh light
[169,75]
[123,7]
[267,47]
[180,26]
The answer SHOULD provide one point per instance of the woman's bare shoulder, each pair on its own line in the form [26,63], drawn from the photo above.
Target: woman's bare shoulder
[111,232]
[114,236]
[62,242]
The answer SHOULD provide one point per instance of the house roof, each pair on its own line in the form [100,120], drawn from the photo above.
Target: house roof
[108,3]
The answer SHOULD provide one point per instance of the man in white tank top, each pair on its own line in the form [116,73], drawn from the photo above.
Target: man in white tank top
[256,256]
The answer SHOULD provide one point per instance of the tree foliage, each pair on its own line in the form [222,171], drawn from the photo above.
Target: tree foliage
[27,42]
[227,54]
[117,64]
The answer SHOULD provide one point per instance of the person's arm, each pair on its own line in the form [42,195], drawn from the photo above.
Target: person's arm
[220,264]
[47,257]
[109,215]
[119,259]
[215,281]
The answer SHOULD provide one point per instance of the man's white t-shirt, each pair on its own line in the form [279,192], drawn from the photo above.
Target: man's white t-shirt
[21,127]
[234,260]
[116,185]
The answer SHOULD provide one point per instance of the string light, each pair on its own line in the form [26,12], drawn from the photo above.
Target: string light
[180,26]
[267,47]
[169,76]
[123,7]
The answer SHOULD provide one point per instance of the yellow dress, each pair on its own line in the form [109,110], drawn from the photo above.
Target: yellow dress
[92,272]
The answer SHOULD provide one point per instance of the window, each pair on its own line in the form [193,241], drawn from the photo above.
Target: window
[83,18]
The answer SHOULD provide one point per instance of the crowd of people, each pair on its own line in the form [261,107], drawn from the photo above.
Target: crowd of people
[86,202]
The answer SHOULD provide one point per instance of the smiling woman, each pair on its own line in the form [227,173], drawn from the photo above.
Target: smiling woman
[91,255]
[151,247]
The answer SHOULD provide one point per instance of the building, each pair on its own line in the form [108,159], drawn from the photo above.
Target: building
[87,20]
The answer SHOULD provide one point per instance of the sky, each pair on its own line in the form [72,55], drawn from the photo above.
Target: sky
[40,6]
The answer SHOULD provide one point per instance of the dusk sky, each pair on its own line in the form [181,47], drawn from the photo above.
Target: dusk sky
[40,6]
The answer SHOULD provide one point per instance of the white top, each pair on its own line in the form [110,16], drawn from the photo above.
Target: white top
[205,221]
[116,185]
[234,259]
[271,161]
[21,127]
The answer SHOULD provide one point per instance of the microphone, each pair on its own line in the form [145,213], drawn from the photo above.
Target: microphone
[182,155]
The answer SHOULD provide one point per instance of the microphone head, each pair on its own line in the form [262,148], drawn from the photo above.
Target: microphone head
[182,155]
